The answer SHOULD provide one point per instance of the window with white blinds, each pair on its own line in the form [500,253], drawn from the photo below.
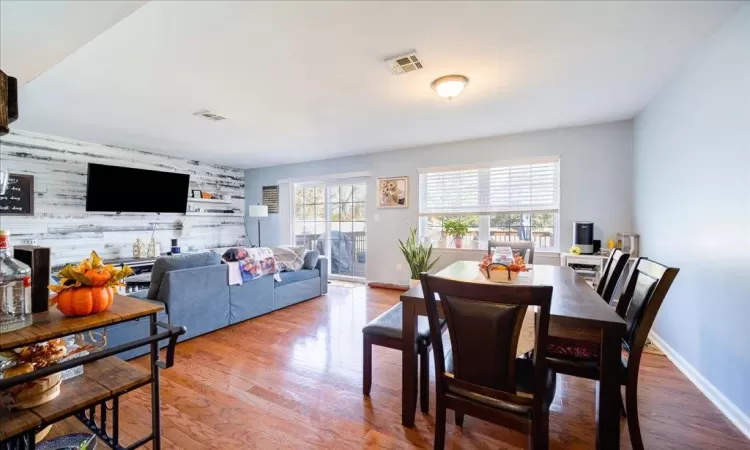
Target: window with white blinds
[531,186]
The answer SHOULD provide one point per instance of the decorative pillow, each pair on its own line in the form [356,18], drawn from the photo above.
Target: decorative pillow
[177,262]
[311,259]
[288,258]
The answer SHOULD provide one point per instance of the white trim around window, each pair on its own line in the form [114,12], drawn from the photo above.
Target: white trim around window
[509,200]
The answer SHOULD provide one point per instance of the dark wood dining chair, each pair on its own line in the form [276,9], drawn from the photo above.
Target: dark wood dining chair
[611,276]
[524,248]
[481,375]
[639,304]
[386,331]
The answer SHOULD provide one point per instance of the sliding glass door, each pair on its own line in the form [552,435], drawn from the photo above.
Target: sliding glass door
[346,219]
[310,217]
[330,217]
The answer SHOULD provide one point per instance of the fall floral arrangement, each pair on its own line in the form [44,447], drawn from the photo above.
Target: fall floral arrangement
[88,288]
[500,272]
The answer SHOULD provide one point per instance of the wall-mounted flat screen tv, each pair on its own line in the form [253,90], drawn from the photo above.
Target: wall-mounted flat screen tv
[123,189]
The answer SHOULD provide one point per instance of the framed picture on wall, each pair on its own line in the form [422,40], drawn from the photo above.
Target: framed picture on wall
[393,192]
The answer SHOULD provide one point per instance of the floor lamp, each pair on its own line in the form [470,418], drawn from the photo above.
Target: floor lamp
[257,211]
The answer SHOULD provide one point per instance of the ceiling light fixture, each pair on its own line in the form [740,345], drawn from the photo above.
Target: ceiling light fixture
[449,86]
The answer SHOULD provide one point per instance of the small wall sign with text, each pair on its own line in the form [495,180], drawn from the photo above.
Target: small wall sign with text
[19,196]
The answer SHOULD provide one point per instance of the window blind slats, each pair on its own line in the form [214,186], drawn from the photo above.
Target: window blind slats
[516,187]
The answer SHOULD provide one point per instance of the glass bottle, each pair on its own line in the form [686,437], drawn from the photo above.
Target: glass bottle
[15,289]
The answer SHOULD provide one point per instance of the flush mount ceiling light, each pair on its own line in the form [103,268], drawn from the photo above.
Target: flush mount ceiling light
[449,86]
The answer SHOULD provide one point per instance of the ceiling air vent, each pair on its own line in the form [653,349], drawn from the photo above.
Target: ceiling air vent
[405,63]
[206,114]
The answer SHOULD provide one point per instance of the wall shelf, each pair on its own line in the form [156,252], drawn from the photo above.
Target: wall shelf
[211,214]
[210,200]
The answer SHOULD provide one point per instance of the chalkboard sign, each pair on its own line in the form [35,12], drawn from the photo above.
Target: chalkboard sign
[19,196]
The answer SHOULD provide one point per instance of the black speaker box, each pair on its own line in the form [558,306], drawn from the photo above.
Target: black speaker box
[38,258]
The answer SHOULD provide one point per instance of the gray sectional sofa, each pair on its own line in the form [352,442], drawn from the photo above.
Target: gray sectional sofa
[195,292]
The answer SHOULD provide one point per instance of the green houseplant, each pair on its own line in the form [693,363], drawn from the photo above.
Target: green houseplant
[418,255]
[457,228]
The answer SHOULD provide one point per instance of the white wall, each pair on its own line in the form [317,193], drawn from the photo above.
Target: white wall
[596,177]
[692,207]
[59,167]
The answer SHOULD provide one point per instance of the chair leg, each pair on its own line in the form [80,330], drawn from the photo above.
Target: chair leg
[424,379]
[634,427]
[459,419]
[440,426]
[366,366]
[539,433]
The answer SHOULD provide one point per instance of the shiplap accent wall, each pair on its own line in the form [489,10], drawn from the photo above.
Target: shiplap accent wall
[60,220]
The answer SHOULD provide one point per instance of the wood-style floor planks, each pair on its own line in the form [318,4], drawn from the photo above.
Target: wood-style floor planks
[293,379]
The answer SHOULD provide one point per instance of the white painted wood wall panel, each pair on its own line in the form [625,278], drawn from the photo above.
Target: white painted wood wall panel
[59,166]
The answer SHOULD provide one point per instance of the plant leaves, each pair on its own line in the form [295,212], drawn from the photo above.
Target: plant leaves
[418,256]
[81,278]
[96,261]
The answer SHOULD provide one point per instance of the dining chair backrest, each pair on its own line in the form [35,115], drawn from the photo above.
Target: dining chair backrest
[611,275]
[524,248]
[484,322]
[644,294]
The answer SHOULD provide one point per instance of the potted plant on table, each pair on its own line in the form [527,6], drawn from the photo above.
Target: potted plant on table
[418,256]
[457,228]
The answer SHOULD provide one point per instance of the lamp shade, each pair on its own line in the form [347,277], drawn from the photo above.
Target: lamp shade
[257,210]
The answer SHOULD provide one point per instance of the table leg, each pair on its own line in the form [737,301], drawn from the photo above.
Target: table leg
[608,403]
[409,365]
[155,405]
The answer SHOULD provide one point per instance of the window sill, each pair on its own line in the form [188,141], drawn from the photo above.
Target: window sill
[550,251]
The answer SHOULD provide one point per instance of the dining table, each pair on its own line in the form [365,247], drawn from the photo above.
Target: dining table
[576,311]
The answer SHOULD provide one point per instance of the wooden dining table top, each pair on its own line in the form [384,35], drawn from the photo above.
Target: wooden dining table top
[574,302]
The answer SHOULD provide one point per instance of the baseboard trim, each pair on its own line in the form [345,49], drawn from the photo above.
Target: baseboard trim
[393,286]
[729,409]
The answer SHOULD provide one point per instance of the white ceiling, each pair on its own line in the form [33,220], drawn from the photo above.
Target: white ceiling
[37,35]
[304,81]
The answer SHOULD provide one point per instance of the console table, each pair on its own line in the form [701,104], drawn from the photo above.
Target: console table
[105,377]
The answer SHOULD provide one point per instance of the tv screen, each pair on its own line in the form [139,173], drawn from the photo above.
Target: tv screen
[123,189]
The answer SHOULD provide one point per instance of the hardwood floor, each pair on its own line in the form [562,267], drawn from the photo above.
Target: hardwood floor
[293,379]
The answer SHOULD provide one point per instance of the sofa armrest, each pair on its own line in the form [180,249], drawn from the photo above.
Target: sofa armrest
[322,266]
[197,298]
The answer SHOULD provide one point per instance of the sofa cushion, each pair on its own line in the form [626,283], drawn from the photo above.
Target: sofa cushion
[293,277]
[311,259]
[177,262]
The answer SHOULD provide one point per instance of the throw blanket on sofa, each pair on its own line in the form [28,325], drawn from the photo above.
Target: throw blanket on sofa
[289,258]
[253,263]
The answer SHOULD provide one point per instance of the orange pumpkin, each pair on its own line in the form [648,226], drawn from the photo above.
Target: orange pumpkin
[98,277]
[83,301]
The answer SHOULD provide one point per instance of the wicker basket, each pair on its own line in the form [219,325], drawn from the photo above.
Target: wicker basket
[34,393]
[499,273]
